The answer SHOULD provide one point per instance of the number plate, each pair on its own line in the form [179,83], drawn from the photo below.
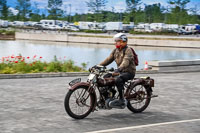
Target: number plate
[75,81]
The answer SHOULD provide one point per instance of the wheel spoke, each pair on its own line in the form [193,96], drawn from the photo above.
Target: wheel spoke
[75,95]
[80,103]
[141,97]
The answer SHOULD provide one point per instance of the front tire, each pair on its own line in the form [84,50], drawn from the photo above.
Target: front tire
[79,102]
[141,97]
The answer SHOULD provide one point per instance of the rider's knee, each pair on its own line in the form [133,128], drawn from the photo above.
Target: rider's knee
[118,81]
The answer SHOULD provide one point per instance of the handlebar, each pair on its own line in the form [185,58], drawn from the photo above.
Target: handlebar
[111,69]
[100,69]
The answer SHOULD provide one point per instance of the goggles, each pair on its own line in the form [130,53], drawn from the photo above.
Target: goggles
[118,39]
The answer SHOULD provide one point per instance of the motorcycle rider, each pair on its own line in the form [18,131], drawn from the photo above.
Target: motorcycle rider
[123,56]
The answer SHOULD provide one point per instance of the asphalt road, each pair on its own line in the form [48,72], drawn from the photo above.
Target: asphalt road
[36,105]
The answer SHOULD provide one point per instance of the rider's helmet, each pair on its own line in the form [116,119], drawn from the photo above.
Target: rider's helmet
[120,36]
[123,40]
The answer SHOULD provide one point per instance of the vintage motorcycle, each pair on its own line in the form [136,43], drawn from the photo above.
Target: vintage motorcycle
[99,90]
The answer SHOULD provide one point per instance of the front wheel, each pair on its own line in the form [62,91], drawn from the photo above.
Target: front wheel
[139,99]
[79,102]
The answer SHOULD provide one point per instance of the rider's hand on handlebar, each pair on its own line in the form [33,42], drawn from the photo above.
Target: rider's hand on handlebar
[115,74]
[95,66]
[90,69]
[118,70]
[111,69]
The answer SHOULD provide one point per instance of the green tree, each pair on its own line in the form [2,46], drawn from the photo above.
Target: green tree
[3,9]
[109,16]
[132,4]
[11,16]
[97,6]
[54,9]
[153,13]
[132,8]
[35,16]
[194,19]
[179,14]
[90,17]
[140,16]
[180,3]
[24,8]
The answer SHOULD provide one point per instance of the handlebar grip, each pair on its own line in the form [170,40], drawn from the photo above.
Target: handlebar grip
[111,69]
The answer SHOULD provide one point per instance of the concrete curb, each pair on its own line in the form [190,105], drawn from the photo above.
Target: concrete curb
[75,74]
[59,74]
[42,75]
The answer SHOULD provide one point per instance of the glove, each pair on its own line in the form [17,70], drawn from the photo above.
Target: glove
[115,74]
[118,70]
[90,69]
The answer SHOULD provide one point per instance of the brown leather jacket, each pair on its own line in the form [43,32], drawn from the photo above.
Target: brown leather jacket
[123,59]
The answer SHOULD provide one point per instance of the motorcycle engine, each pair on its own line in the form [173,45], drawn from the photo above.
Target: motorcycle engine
[108,93]
[107,103]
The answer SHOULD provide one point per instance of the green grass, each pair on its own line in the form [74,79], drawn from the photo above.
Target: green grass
[165,32]
[93,31]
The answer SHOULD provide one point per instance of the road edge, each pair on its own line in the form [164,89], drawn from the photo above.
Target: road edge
[73,74]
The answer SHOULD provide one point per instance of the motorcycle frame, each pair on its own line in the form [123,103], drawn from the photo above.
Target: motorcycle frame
[137,81]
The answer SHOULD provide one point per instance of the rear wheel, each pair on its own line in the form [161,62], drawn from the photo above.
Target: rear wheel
[79,102]
[139,99]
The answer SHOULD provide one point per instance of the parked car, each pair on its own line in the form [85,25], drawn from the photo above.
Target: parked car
[4,23]
[18,24]
[148,30]
[54,27]
[198,29]
[71,27]
[74,28]
[46,27]
[38,25]
[84,25]
[113,26]
[184,32]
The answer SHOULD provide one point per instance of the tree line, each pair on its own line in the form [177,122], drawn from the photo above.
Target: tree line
[174,13]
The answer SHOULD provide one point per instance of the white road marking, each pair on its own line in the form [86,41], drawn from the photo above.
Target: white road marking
[143,126]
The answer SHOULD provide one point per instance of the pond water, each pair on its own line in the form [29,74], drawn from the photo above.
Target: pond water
[91,54]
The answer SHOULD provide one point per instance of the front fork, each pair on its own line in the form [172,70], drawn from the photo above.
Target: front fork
[91,90]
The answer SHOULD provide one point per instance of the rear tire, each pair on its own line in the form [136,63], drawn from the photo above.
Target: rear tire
[82,96]
[143,95]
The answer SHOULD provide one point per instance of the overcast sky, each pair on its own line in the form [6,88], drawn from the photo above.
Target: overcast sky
[80,6]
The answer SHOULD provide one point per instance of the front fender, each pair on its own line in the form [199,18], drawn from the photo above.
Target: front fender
[78,84]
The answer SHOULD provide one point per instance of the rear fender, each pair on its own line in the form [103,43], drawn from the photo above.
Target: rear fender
[146,82]
[138,81]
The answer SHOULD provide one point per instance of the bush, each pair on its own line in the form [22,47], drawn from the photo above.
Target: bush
[7,32]
[8,70]
[10,32]
[19,64]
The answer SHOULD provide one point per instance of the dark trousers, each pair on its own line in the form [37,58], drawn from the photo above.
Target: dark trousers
[120,81]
